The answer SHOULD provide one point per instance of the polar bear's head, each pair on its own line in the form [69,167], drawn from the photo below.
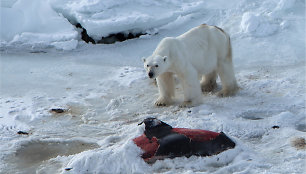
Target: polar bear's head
[155,65]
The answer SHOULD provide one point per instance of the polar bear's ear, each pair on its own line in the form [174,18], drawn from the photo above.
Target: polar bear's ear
[143,59]
[165,58]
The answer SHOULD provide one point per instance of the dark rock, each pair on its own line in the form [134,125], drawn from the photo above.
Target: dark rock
[22,133]
[58,110]
[67,169]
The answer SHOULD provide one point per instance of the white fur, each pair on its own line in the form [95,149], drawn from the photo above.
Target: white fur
[202,52]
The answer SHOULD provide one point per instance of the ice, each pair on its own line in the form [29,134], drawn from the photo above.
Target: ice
[105,92]
[99,18]
[102,18]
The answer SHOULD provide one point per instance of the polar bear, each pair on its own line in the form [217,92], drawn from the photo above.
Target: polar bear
[200,53]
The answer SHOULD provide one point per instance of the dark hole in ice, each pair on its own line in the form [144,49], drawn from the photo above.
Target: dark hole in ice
[118,37]
[110,39]
[37,51]
[301,127]
[252,117]
[255,115]
[84,34]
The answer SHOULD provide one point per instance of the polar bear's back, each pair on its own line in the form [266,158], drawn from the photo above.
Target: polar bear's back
[206,36]
[202,46]
[205,45]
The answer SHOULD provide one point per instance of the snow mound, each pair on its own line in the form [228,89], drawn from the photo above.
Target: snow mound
[115,160]
[35,23]
[257,25]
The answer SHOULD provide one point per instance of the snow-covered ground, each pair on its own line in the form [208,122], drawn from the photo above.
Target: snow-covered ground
[105,91]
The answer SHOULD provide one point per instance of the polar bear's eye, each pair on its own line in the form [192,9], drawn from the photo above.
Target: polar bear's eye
[156,66]
[147,65]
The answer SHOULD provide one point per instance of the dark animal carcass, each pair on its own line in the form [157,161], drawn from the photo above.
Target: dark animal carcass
[161,141]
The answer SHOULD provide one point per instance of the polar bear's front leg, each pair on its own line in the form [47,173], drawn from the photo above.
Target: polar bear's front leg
[191,87]
[165,83]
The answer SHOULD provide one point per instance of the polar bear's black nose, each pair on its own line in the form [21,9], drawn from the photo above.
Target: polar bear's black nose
[150,74]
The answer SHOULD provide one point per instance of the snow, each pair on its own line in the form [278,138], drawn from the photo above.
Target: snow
[105,91]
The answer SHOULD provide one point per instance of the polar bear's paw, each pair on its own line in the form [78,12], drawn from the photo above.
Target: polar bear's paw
[191,103]
[226,93]
[161,101]
[186,104]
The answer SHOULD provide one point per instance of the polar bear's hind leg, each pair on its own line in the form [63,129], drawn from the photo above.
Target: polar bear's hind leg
[227,74]
[191,88]
[208,82]
[227,77]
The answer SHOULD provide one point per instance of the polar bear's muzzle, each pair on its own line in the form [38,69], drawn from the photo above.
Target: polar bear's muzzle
[151,74]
